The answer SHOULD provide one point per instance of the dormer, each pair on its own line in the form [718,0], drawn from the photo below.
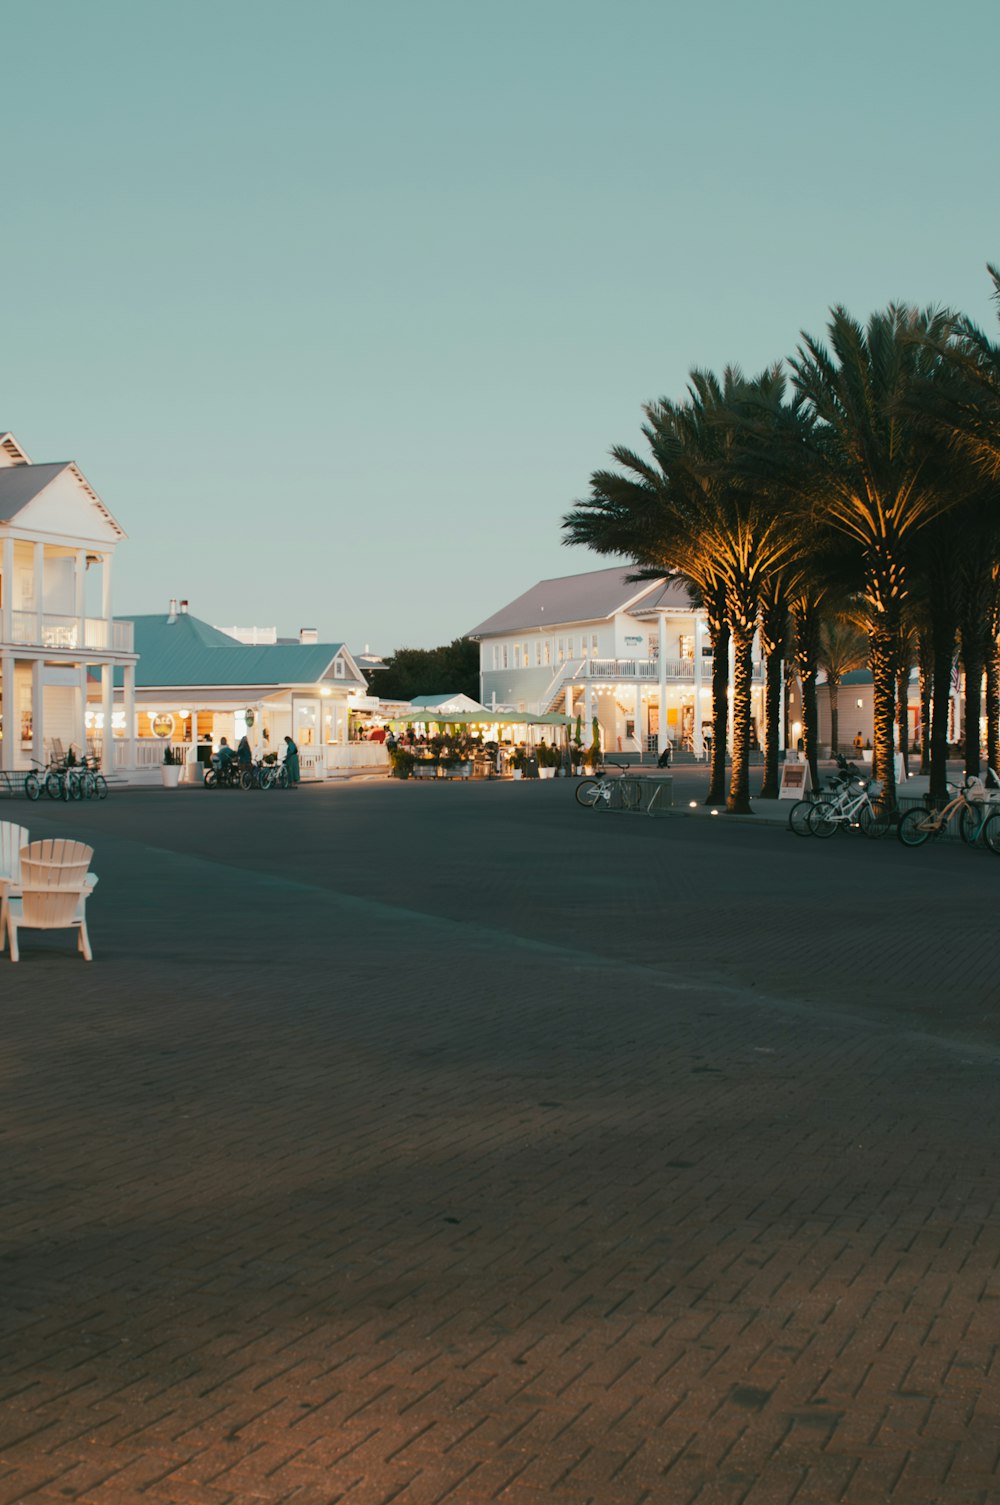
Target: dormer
[11,452]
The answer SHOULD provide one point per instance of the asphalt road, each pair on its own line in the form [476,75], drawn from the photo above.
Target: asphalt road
[438,1142]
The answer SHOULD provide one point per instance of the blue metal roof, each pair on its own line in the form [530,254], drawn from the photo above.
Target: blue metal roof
[183,651]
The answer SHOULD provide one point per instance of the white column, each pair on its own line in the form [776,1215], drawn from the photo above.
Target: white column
[639,728]
[107,714]
[6,621]
[661,639]
[80,596]
[697,740]
[11,714]
[38,572]
[106,593]
[568,701]
[588,704]
[128,674]
[37,712]
[80,711]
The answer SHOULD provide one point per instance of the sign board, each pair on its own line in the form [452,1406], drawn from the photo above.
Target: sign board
[162,725]
[795,781]
[248,716]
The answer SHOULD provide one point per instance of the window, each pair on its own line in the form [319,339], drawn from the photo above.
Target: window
[338,668]
[687,645]
[504,656]
[560,649]
[496,655]
[538,652]
[593,645]
[547,649]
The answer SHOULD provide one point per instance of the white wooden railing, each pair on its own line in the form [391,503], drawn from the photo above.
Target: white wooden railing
[52,630]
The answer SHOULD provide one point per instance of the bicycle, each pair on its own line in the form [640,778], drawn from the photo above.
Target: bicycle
[837,783]
[853,807]
[600,790]
[975,819]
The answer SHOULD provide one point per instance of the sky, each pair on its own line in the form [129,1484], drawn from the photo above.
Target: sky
[338,305]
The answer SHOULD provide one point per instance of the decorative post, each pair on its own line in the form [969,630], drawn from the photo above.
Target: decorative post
[107,715]
[661,648]
[38,585]
[128,675]
[697,740]
[37,712]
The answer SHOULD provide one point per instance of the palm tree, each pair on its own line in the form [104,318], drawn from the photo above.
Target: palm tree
[688,514]
[871,482]
[842,649]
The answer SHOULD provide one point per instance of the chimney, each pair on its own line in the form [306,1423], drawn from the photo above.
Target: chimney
[172,613]
[308,635]
[184,607]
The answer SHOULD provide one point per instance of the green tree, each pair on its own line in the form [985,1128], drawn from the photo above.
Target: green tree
[450,669]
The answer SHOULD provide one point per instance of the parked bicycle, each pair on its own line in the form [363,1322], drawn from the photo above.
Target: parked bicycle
[976,818]
[599,791]
[847,774]
[854,806]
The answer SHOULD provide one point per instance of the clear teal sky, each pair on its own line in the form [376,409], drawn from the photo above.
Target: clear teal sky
[337,305]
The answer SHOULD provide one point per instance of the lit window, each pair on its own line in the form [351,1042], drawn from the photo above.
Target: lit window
[547,648]
[538,652]
[504,655]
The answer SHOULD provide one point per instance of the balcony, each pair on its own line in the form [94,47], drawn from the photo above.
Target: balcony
[649,669]
[32,629]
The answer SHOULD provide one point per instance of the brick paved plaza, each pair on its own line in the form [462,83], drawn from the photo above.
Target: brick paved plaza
[440,1143]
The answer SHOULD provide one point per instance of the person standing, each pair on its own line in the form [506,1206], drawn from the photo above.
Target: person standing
[292,763]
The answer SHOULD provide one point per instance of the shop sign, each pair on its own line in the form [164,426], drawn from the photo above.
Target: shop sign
[162,725]
[248,716]
[795,781]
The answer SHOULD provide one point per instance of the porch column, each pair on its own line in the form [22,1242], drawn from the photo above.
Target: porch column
[7,620]
[107,717]
[661,648]
[37,711]
[697,741]
[588,704]
[128,675]
[106,593]
[38,578]
[80,598]
[11,719]
[640,730]
[80,710]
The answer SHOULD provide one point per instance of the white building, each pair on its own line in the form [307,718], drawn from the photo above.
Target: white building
[635,655]
[57,627]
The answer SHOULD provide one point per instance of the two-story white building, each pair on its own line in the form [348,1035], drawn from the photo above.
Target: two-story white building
[635,655]
[58,636]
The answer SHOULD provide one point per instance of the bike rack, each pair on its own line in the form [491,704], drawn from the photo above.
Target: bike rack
[640,796]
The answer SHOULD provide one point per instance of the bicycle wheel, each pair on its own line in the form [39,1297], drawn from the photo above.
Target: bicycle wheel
[266,778]
[211,779]
[991,832]
[588,793]
[88,785]
[971,821]
[823,821]
[100,786]
[246,779]
[281,777]
[875,820]
[798,817]
[915,828]
[32,786]
[55,786]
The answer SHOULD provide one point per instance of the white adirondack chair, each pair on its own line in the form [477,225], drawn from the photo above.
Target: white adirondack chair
[12,839]
[53,892]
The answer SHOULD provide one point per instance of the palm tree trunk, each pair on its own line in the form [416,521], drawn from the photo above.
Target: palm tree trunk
[738,799]
[944,658]
[810,723]
[993,708]
[883,642]
[833,691]
[772,723]
[720,712]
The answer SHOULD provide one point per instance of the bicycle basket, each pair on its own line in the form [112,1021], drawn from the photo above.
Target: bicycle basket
[874,788]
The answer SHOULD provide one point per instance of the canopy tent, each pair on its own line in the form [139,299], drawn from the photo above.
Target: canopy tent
[478,718]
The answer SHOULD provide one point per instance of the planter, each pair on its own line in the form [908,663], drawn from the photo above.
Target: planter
[515,773]
[546,773]
[170,774]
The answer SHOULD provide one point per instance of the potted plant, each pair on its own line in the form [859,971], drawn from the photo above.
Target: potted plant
[402,761]
[518,763]
[172,766]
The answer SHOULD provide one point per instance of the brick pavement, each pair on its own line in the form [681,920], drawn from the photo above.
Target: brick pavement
[427,1144]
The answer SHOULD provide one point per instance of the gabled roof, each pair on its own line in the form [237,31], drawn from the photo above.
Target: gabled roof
[184,651]
[11,453]
[459,700]
[20,484]
[596,595]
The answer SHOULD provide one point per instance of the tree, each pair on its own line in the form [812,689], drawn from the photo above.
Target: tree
[450,669]
[842,649]
[871,481]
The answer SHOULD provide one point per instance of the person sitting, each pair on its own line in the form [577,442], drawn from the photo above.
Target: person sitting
[663,761]
[224,756]
[245,752]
